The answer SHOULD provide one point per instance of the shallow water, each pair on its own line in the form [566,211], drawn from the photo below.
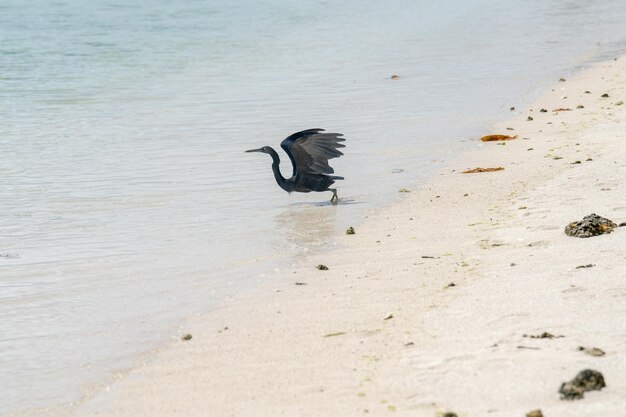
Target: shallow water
[126,201]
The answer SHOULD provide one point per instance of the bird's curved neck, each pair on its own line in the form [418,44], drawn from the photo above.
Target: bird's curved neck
[276,168]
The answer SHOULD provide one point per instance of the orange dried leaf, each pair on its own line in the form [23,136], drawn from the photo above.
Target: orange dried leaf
[495,138]
[476,170]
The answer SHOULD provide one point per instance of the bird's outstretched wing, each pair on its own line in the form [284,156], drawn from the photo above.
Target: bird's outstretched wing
[310,150]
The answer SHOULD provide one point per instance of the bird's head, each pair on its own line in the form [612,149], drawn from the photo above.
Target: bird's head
[265,149]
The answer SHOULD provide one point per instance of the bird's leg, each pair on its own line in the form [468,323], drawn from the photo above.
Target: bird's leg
[334,198]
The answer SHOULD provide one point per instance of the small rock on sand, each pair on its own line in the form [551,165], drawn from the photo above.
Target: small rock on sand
[593,351]
[534,413]
[605,95]
[591,225]
[350,230]
[322,267]
[186,337]
[586,380]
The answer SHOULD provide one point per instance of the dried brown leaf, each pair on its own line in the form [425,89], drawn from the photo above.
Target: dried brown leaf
[476,170]
[495,138]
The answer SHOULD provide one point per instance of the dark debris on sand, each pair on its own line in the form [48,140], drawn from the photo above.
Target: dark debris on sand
[544,335]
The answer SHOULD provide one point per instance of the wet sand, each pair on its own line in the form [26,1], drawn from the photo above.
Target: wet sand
[424,309]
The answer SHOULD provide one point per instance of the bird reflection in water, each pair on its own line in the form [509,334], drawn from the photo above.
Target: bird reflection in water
[306,227]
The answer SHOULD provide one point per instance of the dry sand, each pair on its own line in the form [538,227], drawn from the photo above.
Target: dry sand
[381,333]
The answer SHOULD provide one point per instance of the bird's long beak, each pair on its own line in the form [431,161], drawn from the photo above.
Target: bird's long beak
[255,150]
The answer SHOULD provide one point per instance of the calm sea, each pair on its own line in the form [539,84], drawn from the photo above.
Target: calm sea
[126,201]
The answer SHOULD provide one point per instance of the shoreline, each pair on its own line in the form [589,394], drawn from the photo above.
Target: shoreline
[382,330]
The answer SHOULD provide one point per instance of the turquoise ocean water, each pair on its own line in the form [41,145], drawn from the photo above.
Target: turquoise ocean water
[126,201]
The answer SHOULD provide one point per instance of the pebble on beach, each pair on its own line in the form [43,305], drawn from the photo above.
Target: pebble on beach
[322,267]
[350,230]
[534,413]
[586,380]
[186,337]
[593,351]
[591,225]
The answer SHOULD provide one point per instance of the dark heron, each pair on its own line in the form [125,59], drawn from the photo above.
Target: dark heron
[309,151]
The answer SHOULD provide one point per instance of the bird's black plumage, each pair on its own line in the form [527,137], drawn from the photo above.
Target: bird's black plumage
[309,152]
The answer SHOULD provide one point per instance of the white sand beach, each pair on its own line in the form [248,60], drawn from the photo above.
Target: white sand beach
[424,309]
